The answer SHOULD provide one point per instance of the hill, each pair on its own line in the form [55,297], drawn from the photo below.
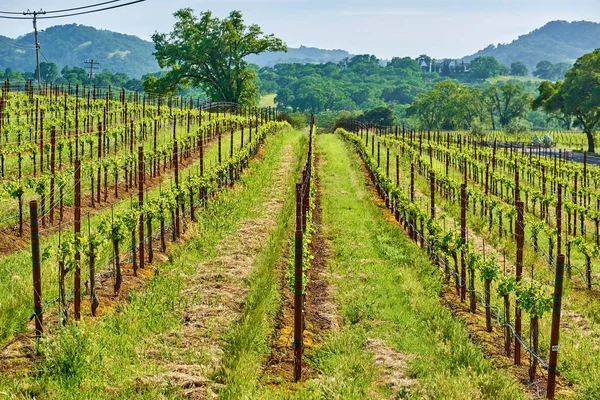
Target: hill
[73,44]
[301,55]
[557,41]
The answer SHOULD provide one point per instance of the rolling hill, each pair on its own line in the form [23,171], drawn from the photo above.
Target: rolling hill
[73,44]
[557,41]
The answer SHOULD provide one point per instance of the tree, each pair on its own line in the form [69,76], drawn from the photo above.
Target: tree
[507,102]
[484,67]
[438,108]
[518,68]
[405,63]
[543,70]
[559,70]
[577,96]
[48,71]
[383,116]
[209,52]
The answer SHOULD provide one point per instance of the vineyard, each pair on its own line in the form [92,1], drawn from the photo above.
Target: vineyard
[169,247]
[462,201]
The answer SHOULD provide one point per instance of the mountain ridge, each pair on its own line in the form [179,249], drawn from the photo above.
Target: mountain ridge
[556,41]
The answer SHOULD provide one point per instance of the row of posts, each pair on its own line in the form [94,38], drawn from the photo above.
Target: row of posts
[520,239]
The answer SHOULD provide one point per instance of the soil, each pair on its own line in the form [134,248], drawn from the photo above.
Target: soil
[320,312]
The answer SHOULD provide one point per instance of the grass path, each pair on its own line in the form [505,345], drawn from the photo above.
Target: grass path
[396,339]
[159,343]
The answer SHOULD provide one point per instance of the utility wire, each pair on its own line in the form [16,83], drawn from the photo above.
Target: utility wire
[93,11]
[83,7]
[71,14]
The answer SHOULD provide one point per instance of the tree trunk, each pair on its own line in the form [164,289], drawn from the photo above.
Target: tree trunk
[149,228]
[534,338]
[163,243]
[488,313]
[20,215]
[134,252]
[472,299]
[61,290]
[93,298]
[590,139]
[507,331]
[118,277]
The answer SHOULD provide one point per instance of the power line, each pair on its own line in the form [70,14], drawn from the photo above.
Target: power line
[71,14]
[83,7]
[93,11]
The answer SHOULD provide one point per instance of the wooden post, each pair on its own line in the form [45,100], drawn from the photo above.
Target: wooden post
[37,271]
[432,193]
[463,237]
[77,229]
[141,202]
[555,332]
[176,161]
[298,342]
[52,160]
[519,231]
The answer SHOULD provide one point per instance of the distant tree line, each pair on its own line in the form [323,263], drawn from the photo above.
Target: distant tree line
[76,76]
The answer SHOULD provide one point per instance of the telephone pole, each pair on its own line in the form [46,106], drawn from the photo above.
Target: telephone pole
[37,44]
[93,65]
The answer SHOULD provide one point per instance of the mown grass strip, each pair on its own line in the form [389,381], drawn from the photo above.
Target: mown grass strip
[387,292]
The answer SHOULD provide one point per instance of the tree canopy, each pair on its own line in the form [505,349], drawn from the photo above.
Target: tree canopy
[577,96]
[209,52]
[547,70]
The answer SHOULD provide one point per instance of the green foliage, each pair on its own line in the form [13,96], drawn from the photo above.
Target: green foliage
[378,116]
[489,269]
[360,82]
[506,285]
[507,102]
[485,67]
[533,298]
[576,96]
[448,105]
[209,52]
[546,70]
[48,71]
[518,68]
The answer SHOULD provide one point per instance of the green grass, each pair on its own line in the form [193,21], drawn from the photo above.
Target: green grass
[386,289]
[247,342]
[113,357]
[268,100]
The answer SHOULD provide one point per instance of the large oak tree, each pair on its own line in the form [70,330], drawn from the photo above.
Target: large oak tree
[577,96]
[209,52]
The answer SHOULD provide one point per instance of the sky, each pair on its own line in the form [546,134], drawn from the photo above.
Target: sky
[386,28]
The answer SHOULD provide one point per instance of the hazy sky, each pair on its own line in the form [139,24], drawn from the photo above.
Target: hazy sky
[387,28]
